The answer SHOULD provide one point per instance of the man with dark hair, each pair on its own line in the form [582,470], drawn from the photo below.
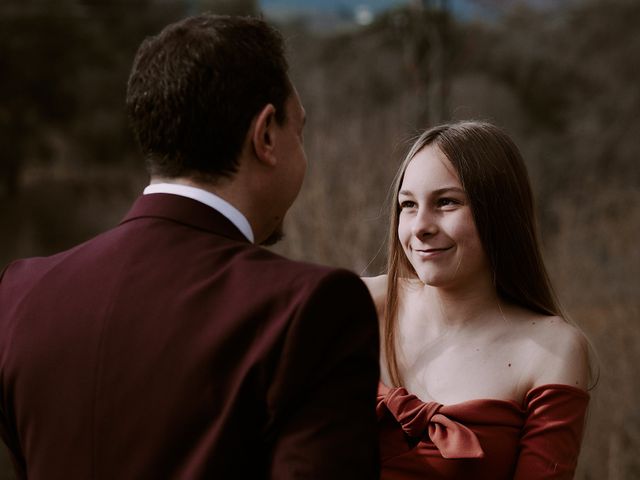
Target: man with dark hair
[172,346]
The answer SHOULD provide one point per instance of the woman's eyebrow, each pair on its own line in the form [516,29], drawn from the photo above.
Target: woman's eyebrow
[449,189]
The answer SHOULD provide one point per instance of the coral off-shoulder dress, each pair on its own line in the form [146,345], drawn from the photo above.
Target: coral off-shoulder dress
[481,439]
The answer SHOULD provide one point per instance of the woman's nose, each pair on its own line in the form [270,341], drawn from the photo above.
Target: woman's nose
[424,224]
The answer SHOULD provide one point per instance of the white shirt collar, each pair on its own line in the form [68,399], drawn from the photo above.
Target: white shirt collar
[225,208]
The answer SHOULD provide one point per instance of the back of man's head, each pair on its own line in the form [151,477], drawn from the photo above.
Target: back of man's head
[195,88]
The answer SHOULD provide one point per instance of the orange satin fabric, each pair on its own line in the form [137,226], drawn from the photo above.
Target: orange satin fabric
[481,439]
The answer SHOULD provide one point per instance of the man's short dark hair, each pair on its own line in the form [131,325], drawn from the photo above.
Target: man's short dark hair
[195,87]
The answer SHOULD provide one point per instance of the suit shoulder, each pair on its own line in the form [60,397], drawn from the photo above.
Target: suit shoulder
[301,280]
[24,268]
[271,266]
[40,264]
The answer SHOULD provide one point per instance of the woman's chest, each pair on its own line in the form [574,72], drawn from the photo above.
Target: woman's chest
[453,369]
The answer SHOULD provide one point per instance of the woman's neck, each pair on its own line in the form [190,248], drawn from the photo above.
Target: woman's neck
[460,308]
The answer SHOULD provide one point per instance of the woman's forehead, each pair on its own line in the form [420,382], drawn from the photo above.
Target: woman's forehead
[430,169]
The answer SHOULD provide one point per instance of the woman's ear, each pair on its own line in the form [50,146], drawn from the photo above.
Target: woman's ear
[264,135]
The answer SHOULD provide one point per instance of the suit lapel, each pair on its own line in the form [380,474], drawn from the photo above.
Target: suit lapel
[183,210]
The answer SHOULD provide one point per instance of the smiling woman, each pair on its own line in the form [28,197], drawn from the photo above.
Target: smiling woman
[435,225]
[478,363]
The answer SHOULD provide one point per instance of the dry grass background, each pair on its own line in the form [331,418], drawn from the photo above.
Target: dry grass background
[572,108]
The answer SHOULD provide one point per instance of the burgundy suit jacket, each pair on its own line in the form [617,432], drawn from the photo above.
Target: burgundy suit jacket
[171,347]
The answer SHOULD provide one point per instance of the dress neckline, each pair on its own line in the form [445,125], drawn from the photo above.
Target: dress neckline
[512,403]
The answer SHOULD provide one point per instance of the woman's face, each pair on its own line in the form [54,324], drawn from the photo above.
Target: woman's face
[436,227]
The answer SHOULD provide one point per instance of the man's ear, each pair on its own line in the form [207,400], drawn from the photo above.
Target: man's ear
[264,135]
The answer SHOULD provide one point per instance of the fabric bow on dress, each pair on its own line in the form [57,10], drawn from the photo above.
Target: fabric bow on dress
[418,418]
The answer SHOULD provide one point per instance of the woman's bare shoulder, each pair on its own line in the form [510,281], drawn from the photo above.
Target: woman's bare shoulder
[561,351]
[378,289]
[377,285]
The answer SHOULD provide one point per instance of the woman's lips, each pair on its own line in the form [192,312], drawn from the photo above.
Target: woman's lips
[431,252]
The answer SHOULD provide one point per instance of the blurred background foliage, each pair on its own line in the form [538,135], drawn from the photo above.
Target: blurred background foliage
[561,78]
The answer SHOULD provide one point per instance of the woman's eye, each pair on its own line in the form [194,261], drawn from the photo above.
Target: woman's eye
[446,202]
[407,204]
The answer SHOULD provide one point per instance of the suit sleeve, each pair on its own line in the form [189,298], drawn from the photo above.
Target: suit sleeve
[7,423]
[552,434]
[324,391]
